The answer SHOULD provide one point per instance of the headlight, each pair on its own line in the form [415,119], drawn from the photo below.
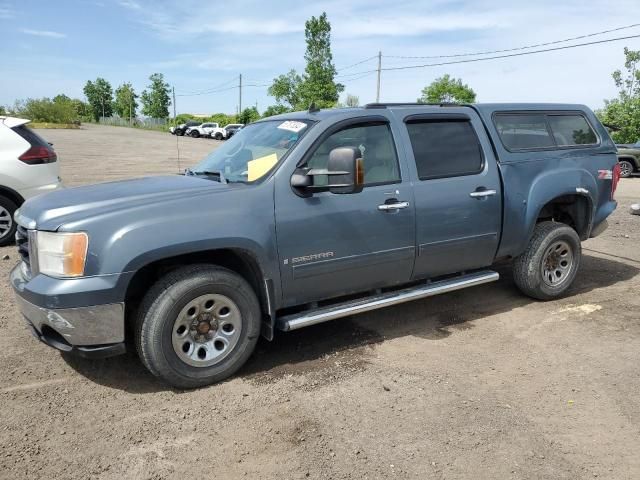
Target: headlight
[62,254]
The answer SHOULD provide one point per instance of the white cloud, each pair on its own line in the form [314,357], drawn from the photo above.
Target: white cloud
[130,4]
[43,33]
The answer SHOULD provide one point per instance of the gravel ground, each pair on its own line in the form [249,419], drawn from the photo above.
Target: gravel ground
[477,384]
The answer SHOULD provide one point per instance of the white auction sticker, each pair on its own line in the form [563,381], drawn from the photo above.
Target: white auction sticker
[292,126]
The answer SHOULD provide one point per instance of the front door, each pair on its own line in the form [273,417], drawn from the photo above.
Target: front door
[331,245]
[457,193]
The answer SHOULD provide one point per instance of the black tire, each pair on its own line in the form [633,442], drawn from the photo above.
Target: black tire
[626,168]
[7,209]
[195,133]
[528,267]
[179,132]
[163,304]
[218,136]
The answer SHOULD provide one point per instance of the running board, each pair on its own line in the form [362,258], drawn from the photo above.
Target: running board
[304,319]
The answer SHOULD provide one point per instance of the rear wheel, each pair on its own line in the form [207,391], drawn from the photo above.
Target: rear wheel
[626,168]
[218,136]
[195,133]
[7,224]
[550,263]
[197,325]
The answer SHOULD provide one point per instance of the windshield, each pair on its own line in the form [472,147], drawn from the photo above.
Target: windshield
[253,152]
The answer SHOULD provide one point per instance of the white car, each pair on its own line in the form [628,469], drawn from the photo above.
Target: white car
[212,130]
[28,167]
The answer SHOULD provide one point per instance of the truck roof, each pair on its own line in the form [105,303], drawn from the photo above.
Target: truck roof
[485,108]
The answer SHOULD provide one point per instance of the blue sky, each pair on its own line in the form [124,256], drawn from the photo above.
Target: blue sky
[50,46]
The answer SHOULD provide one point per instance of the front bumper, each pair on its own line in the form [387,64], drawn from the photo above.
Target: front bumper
[90,331]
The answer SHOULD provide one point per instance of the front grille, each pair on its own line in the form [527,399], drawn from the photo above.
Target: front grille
[22,242]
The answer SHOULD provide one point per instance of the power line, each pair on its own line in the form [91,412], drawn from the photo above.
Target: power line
[207,92]
[355,64]
[471,60]
[358,78]
[518,48]
[203,92]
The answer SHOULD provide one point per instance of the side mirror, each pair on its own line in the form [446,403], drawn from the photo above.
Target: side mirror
[344,172]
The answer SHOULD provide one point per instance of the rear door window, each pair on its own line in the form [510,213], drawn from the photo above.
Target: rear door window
[445,148]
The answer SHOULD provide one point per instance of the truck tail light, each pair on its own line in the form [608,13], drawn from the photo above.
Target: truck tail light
[38,154]
[615,179]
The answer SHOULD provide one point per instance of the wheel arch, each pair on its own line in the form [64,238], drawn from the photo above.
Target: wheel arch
[564,196]
[12,195]
[239,260]
[630,158]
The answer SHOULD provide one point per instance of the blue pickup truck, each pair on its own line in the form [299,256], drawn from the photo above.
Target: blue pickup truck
[313,216]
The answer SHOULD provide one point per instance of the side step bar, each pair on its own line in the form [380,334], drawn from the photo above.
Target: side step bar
[304,319]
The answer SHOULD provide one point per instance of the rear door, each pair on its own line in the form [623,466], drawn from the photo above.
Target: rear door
[457,190]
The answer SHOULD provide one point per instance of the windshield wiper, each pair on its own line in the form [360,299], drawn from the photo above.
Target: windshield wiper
[207,173]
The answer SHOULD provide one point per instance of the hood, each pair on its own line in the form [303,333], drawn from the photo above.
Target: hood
[50,211]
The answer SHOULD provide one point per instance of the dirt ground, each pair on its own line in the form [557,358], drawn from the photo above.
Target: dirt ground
[477,384]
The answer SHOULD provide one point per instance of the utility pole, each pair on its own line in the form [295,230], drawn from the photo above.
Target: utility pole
[173,91]
[130,102]
[240,95]
[379,68]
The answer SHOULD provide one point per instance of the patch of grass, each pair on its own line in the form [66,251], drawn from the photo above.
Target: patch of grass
[52,125]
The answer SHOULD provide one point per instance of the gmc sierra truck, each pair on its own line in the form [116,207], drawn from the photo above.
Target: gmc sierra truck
[308,217]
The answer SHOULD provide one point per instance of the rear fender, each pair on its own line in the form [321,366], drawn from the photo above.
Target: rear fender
[558,183]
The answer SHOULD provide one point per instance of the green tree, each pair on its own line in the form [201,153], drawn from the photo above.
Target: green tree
[156,101]
[61,98]
[46,110]
[249,115]
[84,112]
[447,90]
[352,100]
[3,111]
[622,114]
[317,83]
[286,88]
[125,104]
[100,96]
[277,109]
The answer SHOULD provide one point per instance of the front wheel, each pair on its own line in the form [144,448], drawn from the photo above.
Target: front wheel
[197,325]
[550,263]
[195,134]
[218,136]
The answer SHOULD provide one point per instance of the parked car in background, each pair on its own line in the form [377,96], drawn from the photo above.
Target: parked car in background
[28,167]
[211,130]
[313,216]
[629,158]
[231,129]
[181,129]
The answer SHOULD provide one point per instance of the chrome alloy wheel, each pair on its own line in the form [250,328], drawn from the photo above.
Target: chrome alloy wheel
[557,263]
[206,330]
[6,222]
[626,169]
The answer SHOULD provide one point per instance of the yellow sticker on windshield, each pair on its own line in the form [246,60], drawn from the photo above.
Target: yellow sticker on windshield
[260,166]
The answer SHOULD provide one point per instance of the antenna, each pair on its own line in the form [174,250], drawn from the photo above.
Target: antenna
[173,90]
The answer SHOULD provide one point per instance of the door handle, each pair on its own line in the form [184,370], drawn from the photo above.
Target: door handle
[385,207]
[482,193]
